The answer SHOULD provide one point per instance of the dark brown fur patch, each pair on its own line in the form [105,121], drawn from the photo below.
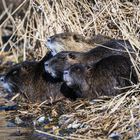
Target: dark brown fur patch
[105,77]
[31,79]
[64,59]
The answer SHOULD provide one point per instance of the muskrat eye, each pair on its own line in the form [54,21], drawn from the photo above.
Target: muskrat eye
[76,37]
[46,64]
[49,39]
[66,72]
[2,79]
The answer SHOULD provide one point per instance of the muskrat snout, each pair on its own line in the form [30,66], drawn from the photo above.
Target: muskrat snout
[66,72]
[46,64]
[49,39]
[2,79]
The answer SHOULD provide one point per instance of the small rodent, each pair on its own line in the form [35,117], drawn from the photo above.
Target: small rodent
[37,85]
[56,65]
[107,77]
[70,41]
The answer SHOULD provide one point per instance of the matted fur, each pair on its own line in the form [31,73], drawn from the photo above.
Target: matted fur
[63,60]
[70,41]
[106,77]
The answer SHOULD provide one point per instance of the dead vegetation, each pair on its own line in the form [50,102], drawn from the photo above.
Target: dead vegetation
[102,118]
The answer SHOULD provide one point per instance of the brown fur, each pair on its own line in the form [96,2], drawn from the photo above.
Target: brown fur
[70,41]
[31,79]
[63,60]
[28,78]
[103,78]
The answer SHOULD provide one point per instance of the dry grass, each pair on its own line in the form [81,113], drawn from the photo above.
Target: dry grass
[118,19]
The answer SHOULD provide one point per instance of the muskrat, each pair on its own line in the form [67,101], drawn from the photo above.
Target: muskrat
[64,59]
[107,77]
[30,79]
[70,41]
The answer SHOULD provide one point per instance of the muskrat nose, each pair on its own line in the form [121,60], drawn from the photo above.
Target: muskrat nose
[46,64]
[49,39]
[2,78]
[66,72]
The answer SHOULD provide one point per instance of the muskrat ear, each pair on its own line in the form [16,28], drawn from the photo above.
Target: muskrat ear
[71,56]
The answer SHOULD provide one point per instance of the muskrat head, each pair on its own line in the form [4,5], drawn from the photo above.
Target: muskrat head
[9,80]
[75,76]
[65,42]
[56,65]
[15,79]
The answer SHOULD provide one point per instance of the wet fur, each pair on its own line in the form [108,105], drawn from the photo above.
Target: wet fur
[30,79]
[102,78]
[70,41]
[63,60]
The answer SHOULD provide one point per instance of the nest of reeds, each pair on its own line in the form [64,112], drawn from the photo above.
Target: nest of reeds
[103,118]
